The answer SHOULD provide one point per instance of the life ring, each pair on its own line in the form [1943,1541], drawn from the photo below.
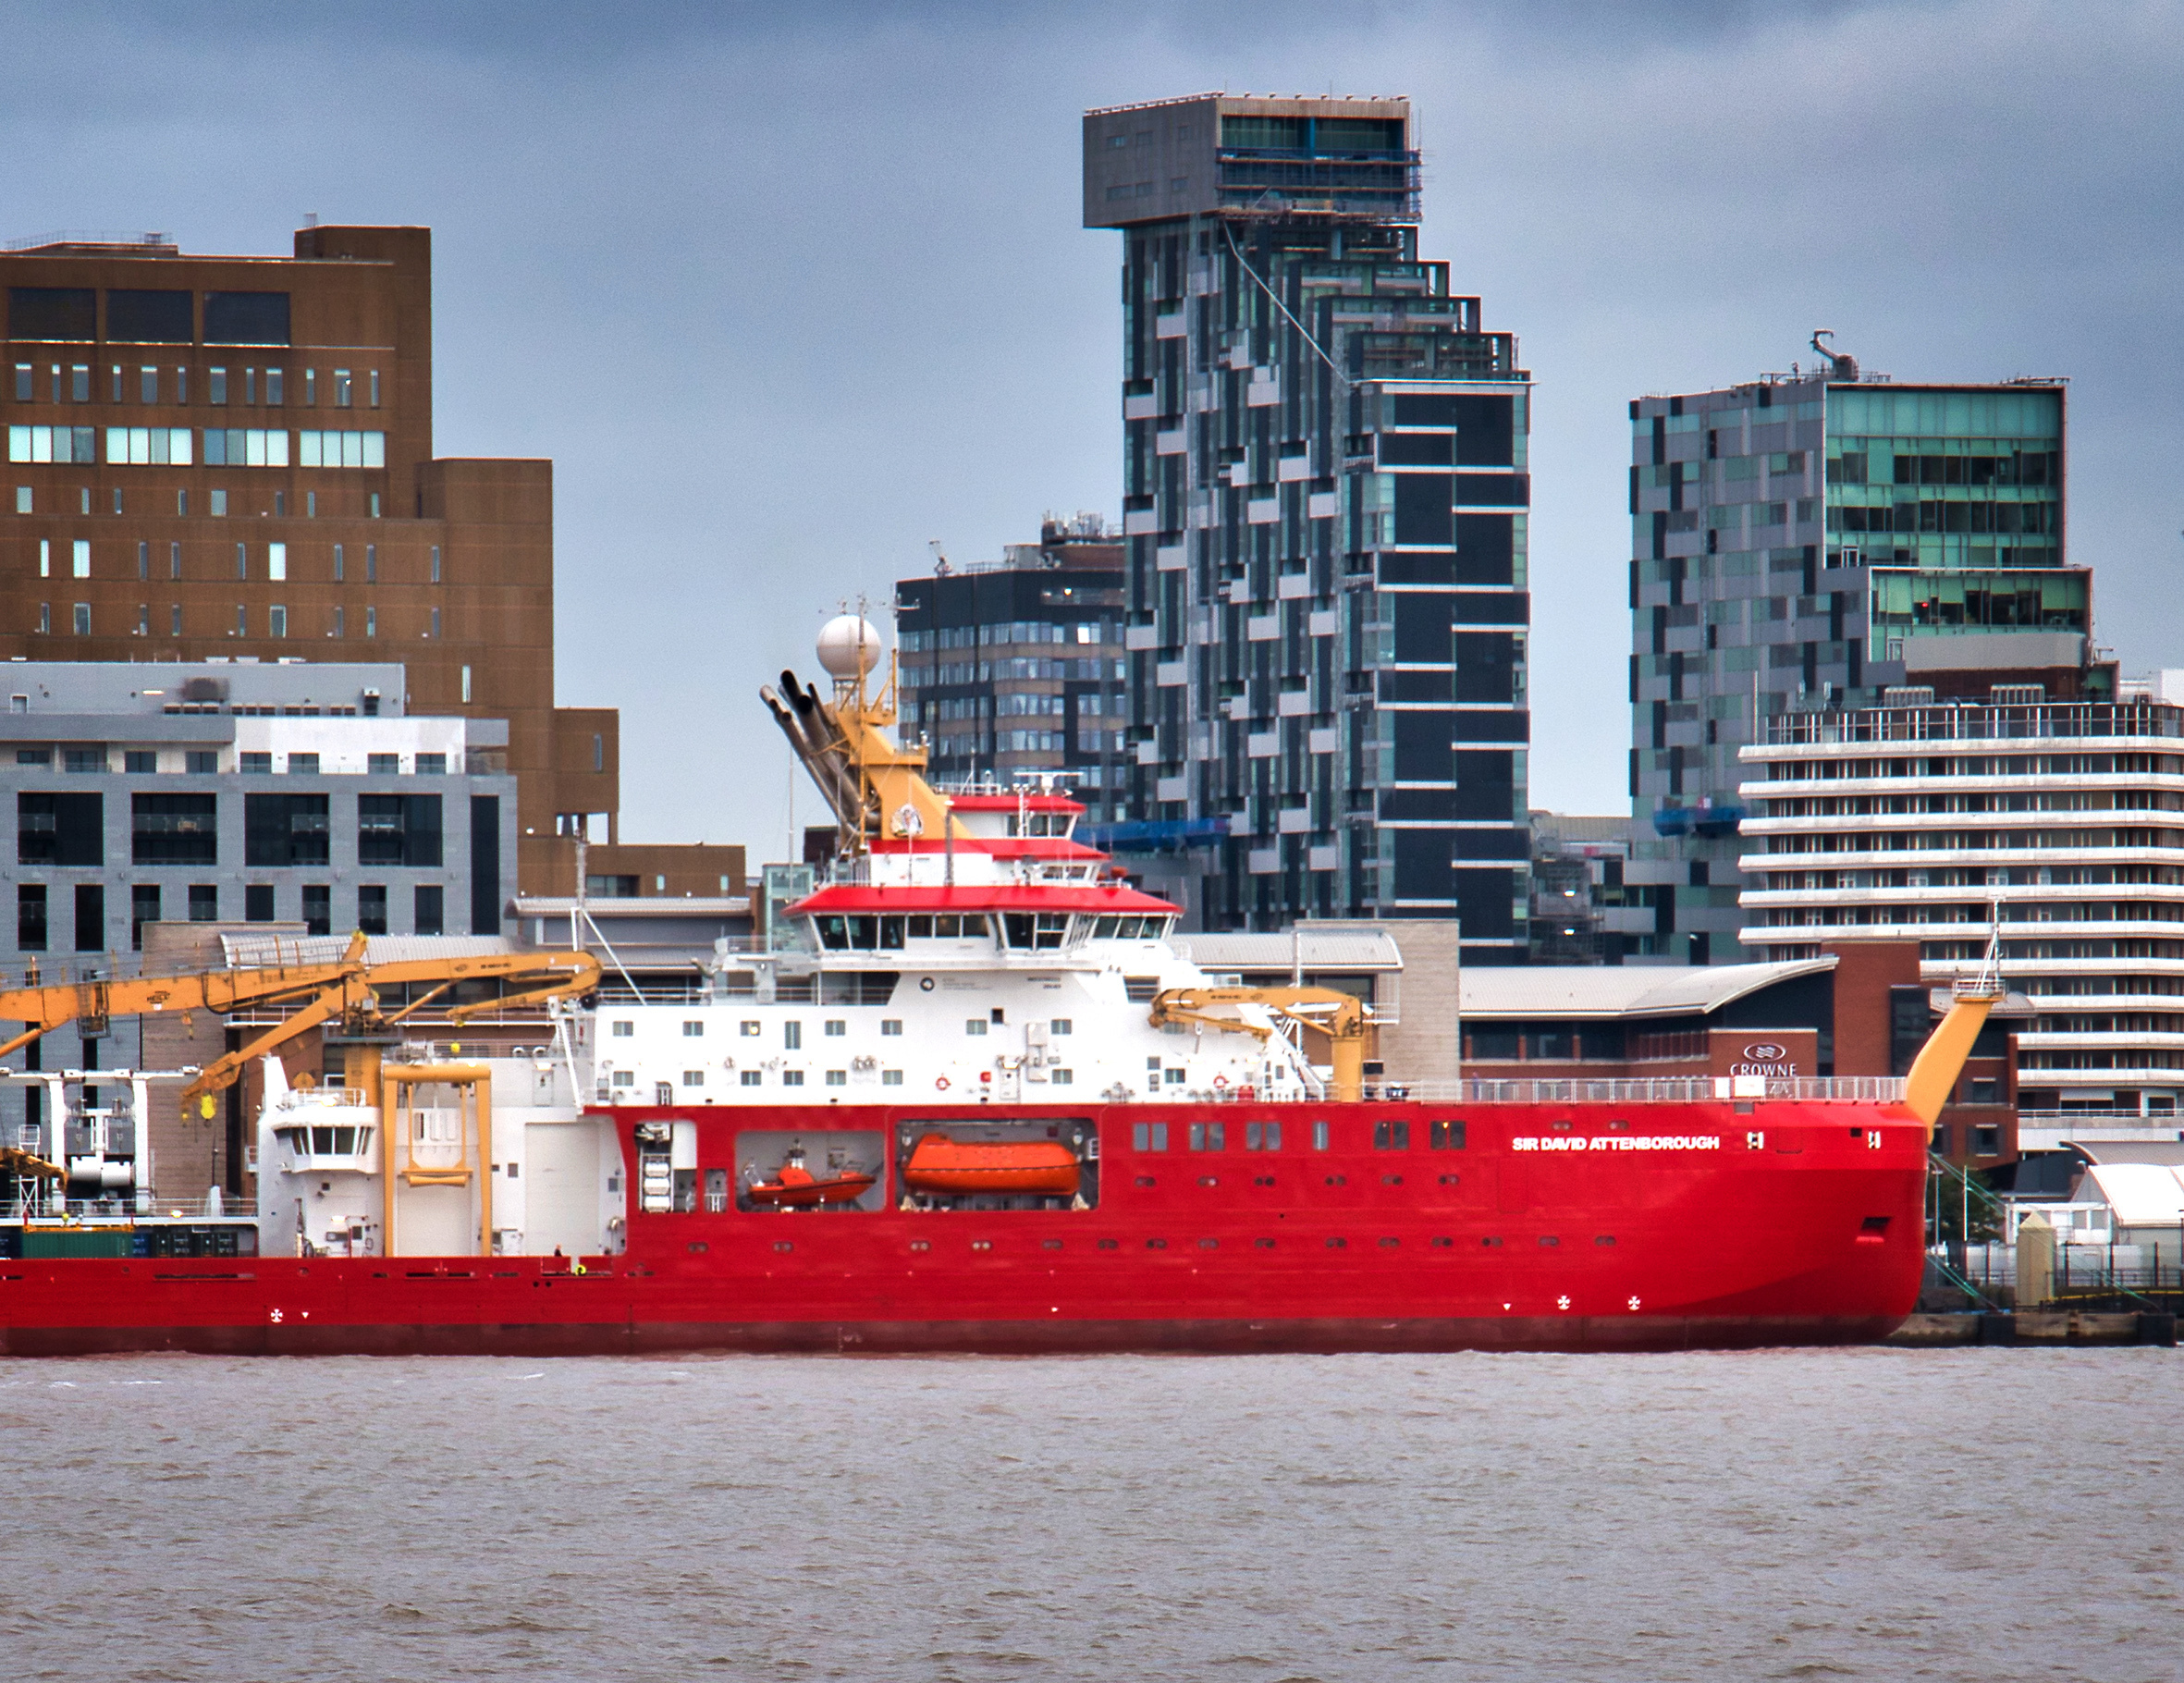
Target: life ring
[940,1082]
[1221,1081]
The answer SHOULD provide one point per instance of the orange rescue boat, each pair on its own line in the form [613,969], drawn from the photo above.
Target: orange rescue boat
[796,1187]
[1040,1167]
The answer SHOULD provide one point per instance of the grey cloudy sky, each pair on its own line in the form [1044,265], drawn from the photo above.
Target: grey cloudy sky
[787,292]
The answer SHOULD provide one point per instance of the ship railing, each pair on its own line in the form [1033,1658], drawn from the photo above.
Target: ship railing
[2092,1267]
[123,1211]
[1661,1089]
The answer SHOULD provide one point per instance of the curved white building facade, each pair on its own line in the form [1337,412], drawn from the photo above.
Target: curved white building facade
[1920,822]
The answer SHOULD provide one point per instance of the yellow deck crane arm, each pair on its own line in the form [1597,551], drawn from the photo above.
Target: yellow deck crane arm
[1341,1017]
[345,990]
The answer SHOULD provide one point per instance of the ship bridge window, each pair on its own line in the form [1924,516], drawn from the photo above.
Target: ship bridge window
[947,926]
[1262,1136]
[1444,1135]
[859,932]
[1035,931]
[1128,929]
[1209,1137]
[1319,1137]
[1148,1136]
[1391,1136]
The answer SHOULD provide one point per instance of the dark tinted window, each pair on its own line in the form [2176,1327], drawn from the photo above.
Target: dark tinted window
[1421,629]
[1422,509]
[1484,904]
[1486,430]
[52,313]
[1485,549]
[397,830]
[149,318]
[91,917]
[246,318]
[1286,133]
[1496,490]
[175,829]
[1423,753]
[1425,409]
[60,829]
[1485,666]
[280,830]
[1415,450]
[1422,870]
[1358,133]
[1485,785]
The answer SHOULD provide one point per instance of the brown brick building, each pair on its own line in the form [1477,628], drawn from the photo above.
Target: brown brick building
[232,457]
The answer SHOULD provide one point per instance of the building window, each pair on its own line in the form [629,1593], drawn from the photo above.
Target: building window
[65,829]
[143,908]
[435,764]
[337,564]
[80,558]
[144,559]
[80,383]
[285,829]
[137,761]
[277,621]
[371,563]
[344,389]
[402,829]
[310,505]
[303,765]
[147,384]
[435,563]
[598,752]
[22,500]
[371,908]
[255,765]
[435,624]
[435,615]
[219,502]
[311,387]
[257,902]
[143,619]
[83,619]
[751,1078]
[431,909]
[91,917]
[215,386]
[374,388]
[181,386]
[174,621]
[318,909]
[46,617]
[273,389]
[30,917]
[202,762]
[22,382]
[277,559]
[371,621]
[340,621]
[204,902]
[174,556]
[338,449]
[792,1035]
[384,764]
[243,619]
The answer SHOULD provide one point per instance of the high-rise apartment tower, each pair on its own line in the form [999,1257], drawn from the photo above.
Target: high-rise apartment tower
[1805,543]
[1325,487]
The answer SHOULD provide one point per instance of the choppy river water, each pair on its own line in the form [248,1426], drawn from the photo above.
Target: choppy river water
[1878,1514]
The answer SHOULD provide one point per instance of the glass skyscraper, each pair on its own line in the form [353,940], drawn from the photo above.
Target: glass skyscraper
[1324,520]
[1822,544]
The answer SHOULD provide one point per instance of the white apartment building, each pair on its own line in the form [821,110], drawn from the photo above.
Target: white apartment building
[1921,821]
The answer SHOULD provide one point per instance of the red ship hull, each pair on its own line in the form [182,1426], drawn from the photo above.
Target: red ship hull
[1579,1227]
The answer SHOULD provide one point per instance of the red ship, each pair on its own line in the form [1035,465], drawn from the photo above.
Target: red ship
[979,1103]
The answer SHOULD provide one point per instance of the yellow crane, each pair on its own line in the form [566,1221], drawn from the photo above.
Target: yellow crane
[1341,1017]
[344,991]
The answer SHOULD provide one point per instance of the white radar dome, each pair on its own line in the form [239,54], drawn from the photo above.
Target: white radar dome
[849,646]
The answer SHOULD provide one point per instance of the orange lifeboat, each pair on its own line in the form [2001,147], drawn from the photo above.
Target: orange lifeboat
[796,1187]
[1040,1167]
